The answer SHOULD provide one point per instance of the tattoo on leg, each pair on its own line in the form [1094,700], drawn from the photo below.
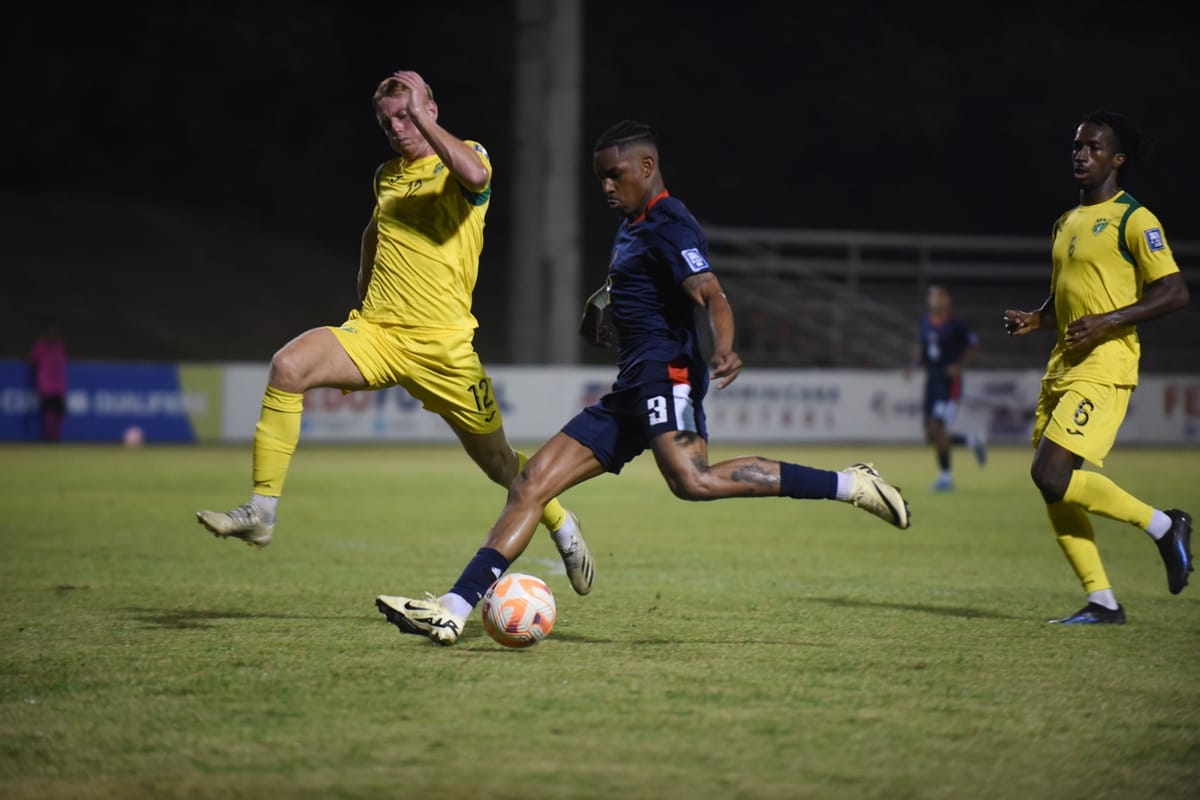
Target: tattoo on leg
[686,438]
[690,440]
[758,472]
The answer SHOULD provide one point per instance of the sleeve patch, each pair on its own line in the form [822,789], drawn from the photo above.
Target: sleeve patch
[695,259]
[1154,239]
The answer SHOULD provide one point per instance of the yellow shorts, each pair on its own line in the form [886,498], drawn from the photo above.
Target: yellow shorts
[439,368]
[1081,417]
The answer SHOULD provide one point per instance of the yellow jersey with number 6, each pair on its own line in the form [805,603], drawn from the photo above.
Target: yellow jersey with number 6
[1102,256]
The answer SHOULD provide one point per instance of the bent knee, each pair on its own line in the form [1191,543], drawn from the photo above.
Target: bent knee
[500,467]
[1051,483]
[692,487]
[286,368]
[528,490]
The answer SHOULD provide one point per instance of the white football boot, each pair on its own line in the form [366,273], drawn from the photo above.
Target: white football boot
[872,493]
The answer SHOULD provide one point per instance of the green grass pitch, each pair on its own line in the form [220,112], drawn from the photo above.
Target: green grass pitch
[739,649]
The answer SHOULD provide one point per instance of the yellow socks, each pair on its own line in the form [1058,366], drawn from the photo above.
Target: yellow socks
[1098,494]
[1092,492]
[275,439]
[1078,542]
[553,515]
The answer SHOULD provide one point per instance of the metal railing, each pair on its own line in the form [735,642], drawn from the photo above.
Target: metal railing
[853,298]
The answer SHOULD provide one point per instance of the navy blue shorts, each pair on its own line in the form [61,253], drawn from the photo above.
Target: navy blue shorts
[941,399]
[620,427]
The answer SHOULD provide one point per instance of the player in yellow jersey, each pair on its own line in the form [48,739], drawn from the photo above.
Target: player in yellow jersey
[417,272]
[1112,269]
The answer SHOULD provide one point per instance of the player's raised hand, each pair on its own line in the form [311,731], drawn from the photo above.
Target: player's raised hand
[418,90]
[725,367]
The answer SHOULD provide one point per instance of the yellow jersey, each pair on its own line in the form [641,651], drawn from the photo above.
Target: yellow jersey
[430,239]
[1102,255]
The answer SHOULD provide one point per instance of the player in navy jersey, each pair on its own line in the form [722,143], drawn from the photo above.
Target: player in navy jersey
[946,345]
[658,276]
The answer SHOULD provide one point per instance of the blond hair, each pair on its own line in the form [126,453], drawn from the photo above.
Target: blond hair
[390,87]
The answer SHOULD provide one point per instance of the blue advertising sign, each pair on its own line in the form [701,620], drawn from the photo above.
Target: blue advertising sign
[104,402]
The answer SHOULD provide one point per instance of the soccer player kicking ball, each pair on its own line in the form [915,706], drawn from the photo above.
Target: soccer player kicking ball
[658,275]
[418,266]
[1111,269]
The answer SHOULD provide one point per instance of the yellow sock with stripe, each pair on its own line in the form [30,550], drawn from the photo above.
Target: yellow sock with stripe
[275,439]
[1100,495]
[1078,542]
[553,515]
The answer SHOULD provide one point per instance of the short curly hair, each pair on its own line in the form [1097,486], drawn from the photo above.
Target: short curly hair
[1131,140]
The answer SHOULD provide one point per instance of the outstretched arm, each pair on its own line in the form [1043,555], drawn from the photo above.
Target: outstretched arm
[705,290]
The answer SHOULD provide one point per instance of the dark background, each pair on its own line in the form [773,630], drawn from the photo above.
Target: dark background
[191,180]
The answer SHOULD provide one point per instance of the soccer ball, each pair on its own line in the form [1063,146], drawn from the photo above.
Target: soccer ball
[518,610]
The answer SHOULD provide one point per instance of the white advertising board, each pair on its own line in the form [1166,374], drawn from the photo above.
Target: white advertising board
[760,406]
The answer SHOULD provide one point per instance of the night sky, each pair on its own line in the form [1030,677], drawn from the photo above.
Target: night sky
[907,118]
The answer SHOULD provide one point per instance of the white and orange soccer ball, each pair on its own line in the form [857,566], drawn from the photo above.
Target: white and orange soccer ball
[518,610]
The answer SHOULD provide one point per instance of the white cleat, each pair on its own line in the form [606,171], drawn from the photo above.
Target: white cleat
[244,522]
[872,493]
[427,617]
[577,558]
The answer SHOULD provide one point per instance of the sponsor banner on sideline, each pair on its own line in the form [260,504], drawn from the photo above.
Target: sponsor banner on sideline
[113,402]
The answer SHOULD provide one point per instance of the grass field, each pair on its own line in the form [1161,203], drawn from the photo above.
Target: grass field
[734,650]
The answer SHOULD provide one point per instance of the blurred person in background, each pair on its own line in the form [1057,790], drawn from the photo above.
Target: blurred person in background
[945,346]
[1111,269]
[48,369]
[417,272]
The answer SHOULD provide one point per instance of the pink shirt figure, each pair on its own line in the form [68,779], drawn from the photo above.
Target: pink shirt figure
[49,360]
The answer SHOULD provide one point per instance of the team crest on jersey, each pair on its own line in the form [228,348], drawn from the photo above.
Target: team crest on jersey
[479,149]
[694,258]
[1100,225]
[1154,239]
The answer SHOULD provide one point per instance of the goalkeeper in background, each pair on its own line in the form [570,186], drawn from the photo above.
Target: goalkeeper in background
[1111,269]
[417,272]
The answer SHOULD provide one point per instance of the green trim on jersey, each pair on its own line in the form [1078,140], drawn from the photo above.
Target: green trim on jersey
[1129,200]
[476,198]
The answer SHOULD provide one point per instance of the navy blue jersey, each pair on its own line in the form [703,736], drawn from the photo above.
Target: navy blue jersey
[944,342]
[653,318]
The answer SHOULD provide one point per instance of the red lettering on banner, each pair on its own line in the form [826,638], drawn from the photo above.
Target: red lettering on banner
[1183,398]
